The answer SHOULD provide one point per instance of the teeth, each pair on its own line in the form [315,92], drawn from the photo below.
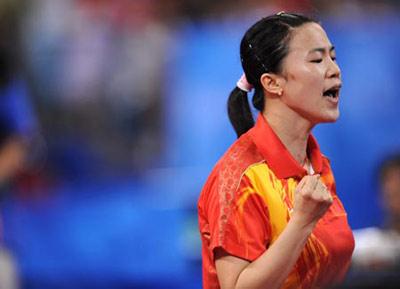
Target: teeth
[330,93]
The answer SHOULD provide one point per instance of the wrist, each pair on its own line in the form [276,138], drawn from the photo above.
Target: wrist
[302,224]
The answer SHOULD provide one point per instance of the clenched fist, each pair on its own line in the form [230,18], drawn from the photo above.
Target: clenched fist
[312,199]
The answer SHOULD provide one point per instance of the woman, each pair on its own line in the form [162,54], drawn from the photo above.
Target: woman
[269,215]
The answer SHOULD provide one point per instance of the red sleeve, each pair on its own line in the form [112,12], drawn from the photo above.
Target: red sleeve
[238,220]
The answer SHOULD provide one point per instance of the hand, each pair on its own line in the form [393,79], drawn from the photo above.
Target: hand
[312,199]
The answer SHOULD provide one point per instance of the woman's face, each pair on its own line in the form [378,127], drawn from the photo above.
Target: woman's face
[311,75]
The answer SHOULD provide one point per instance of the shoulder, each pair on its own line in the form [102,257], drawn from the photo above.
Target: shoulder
[241,155]
[229,170]
[326,165]
[325,159]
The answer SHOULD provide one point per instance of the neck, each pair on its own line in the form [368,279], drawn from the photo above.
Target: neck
[292,131]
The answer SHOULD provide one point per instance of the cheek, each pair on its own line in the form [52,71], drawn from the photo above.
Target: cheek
[306,73]
[304,80]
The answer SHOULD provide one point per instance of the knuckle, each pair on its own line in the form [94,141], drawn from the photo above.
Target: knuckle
[326,200]
[315,198]
[306,195]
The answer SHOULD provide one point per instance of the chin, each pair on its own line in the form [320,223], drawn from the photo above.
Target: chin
[333,119]
[328,118]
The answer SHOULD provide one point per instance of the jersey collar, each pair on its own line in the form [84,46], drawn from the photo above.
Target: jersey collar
[277,156]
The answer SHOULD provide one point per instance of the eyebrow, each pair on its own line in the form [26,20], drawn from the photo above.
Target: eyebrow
[322,50]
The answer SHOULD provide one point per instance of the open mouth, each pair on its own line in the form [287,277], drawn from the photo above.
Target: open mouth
[332,92]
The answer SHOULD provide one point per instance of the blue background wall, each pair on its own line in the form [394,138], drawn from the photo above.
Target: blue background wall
[142,232]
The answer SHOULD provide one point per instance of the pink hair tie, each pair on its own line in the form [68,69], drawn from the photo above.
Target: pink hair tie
[243,84]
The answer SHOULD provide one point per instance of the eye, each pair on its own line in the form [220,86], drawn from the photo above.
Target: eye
[317,60]
[333,58]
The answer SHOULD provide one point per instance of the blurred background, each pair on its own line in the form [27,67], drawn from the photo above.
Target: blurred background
[113,112]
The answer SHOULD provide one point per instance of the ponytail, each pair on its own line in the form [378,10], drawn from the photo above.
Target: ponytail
[258,99]
[239,111]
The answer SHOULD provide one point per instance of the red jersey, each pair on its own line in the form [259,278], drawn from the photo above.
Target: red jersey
[245,204]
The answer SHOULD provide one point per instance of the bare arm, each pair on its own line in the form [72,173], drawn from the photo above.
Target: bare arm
[272,268]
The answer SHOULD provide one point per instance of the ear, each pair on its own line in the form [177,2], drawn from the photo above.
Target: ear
[272,83]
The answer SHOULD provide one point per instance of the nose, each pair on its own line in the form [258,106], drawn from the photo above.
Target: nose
[333,70]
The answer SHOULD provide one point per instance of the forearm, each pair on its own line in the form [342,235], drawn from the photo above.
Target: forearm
[272,268]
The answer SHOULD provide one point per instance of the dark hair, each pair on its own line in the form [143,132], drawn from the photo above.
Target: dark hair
[6,131]
[262,50]
[6,67]
[389,163]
